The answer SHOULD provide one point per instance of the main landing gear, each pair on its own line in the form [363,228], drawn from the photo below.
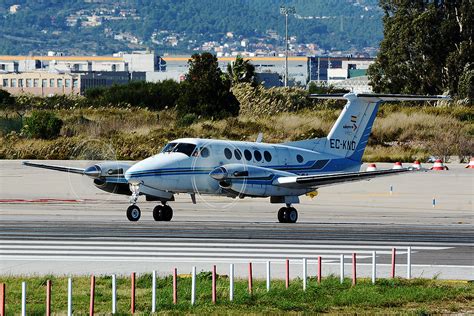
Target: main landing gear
[287,214]
[160,212]
[163,213]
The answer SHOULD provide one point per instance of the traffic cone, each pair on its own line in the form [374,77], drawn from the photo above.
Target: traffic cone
[372,167]
[416,165]
[438,165]
[471,164]
[397,165]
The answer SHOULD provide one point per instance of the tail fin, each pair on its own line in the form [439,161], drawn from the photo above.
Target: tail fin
[349,135]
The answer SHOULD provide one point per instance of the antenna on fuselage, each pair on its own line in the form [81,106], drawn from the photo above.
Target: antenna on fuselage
[259,137]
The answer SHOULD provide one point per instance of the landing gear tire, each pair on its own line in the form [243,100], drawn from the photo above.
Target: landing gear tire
[291,215]
[133,213]
[281,215]
[287,215]
[158,213]
[167,213]
[162,213]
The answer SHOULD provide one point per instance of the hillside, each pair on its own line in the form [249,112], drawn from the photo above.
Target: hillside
[183,26]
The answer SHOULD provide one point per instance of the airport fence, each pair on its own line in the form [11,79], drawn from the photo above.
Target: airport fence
[231,276]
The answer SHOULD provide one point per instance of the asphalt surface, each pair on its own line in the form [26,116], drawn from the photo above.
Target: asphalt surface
[67,226]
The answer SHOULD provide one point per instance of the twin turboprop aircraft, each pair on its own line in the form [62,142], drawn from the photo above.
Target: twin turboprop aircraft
[238,169]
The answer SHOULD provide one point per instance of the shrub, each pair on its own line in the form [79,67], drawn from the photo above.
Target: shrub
[186,120]
[42,124]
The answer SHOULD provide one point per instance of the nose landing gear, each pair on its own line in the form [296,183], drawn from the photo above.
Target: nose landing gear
[133,211]
[287,214]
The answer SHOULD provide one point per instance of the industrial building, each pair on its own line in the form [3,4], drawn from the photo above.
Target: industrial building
[43,83]
[36,74]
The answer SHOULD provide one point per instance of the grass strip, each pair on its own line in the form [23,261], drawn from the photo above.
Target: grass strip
[386,296]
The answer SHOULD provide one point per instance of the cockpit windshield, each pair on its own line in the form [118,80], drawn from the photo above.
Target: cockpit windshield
[184,148]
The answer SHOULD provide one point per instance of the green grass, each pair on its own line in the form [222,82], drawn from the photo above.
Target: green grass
[386,296]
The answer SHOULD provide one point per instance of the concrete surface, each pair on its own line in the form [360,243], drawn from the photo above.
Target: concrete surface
[52,222]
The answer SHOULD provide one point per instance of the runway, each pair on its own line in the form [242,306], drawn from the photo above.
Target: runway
[66,226]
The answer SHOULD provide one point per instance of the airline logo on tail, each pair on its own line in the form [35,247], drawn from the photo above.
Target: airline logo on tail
[353,124]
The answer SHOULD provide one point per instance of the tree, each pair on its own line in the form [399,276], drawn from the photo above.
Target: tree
[6,100]
[241,71]
[426,46]
[205,92]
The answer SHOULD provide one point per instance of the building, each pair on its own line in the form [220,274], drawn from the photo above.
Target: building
[297,69]
[137,61]
[42,83]
[333,69]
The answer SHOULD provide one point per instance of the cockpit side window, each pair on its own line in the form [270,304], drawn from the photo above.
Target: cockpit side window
[169,147]
[184,148]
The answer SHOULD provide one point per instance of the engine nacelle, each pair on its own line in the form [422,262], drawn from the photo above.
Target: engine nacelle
[107,169]
[109,176]
[244,180]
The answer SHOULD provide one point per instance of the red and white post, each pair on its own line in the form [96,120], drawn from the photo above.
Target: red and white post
[250,278]
[175,286]
[319,268]
[48,297]
[2,299]
[91,302]
[132,294]
[354,269]
[394,253]
[214,294]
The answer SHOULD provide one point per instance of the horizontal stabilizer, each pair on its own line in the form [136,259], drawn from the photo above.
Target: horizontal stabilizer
[382,97]
[317,181]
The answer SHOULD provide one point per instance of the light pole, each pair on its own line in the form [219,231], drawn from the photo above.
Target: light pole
[286,11]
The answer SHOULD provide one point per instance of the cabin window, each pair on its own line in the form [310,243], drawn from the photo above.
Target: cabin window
[228,153]
[247,154]
[299,158]
[267,156]
[257,155]
[205,152]
[238,154]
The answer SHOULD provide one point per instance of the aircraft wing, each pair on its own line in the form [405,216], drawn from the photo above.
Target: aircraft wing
[316,181]
[54,167]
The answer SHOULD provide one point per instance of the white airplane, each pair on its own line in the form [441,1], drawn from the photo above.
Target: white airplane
[239,169]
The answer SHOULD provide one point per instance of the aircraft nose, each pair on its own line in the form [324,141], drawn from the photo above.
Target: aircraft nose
[134,173]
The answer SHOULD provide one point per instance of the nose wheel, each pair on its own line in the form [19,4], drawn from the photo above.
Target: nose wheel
[133,213]
[163,213]
[287,215]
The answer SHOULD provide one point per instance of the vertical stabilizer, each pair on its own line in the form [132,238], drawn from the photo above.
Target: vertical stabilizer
[349,135]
